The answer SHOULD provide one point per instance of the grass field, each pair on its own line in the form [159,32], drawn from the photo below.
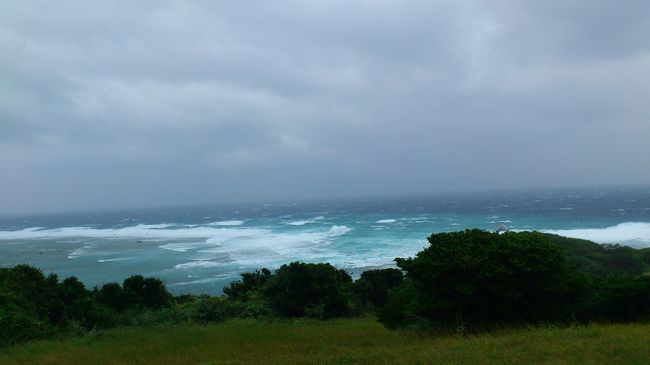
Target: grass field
[352,341]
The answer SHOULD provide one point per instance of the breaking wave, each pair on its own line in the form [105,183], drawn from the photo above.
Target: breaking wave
[305,221]
[227,223]
[635,234]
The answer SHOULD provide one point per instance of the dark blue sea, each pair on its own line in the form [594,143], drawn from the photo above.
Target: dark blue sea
[201,249]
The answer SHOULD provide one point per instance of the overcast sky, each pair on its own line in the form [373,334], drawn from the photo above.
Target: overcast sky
[116,104]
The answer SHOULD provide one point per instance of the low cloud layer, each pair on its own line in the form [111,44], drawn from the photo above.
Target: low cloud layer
[148,103]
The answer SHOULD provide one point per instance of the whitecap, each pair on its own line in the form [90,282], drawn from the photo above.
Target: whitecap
[203,281]
[629,233]
[371,262]
[244,246]
[266,247]
[305,221]
[227,223]
[339,230]
[300,223]
[197,264]
[386,221]
[138,231]
[116,259]
[81,251]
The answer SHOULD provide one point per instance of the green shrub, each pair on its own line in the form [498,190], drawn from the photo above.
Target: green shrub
[213,309]
[249,286]
[18,325]
[374,286]
[401,307]
[477,277]
[112,295]
[300,289]
[620,298]
[145,292]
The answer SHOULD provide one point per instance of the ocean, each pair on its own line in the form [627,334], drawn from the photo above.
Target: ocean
[201,249]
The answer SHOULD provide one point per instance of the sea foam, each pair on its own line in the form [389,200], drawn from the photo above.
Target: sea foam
[139,231]
[305,221]
[636,234]
[227,223]
[244,246]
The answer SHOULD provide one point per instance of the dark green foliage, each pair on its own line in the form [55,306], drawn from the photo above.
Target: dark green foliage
[248,287]
[295,290]
[644,254]
[314,290]
[33,292]
[212,309]
[17,324]
[78,303]
[112,295]
[29,304]
[620,298]
[136,292]
[150,292]
[374,285]
[72,291]
[595,259]
[478,277]
[401,307]
[33,305]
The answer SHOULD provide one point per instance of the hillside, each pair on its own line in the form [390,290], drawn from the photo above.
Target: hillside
[592,258]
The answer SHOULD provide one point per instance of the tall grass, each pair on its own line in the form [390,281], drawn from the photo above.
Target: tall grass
[345,341]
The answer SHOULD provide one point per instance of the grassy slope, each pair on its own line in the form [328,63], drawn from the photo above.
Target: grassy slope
[352,341]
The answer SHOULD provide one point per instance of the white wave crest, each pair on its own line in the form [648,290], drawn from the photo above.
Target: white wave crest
[305,221]
[269,246]
[386,221]
[211,245]
[339,230]
[116,259]
[197,264]
[635,234]
[81,251]
[227,223]
[204,281]
[300,223]
[138,231]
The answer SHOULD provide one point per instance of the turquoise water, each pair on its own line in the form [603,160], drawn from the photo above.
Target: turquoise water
[200,249]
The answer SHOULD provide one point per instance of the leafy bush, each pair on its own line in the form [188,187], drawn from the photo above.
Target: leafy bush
[213,309]
[374,286]
[620,298]
[401,307]
[18,325]
[294,290]
[33,305]
[146,292]
[112,295]
[477,277]
[316,290]
[595,260]
[248,288]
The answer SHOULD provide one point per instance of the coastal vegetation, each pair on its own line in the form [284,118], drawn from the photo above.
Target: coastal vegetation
[464,283]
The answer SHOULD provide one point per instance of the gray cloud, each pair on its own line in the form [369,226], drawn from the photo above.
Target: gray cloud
[166,102]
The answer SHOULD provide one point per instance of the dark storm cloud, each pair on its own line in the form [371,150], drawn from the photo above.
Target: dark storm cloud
[156,103]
